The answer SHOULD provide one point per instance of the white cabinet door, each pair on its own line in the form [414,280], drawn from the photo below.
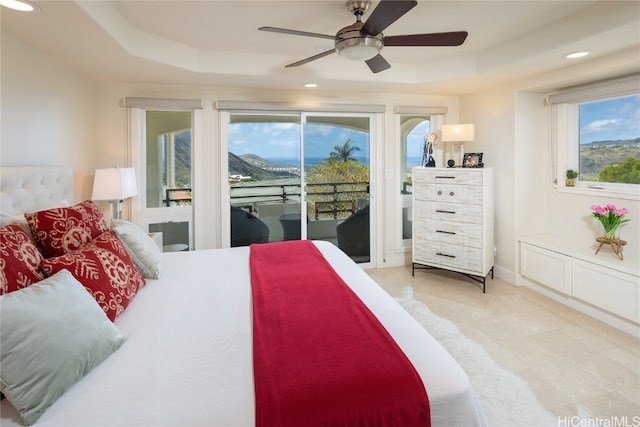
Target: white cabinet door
[549,268]
[612,290]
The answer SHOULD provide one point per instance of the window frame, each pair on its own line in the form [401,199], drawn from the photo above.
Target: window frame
[435,116]
[566,137]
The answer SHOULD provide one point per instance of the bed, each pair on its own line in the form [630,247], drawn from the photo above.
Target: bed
[187,355]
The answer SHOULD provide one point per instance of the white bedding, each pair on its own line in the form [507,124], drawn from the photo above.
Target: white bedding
[187,359]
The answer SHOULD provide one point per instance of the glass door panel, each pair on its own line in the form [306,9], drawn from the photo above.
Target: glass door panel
[264,178]
[168,195]
[337,165]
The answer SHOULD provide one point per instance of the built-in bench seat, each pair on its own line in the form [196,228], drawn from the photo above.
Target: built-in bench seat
[602,285]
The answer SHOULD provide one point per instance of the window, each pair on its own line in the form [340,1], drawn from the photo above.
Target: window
[414,124]
[597,134]
[609,140]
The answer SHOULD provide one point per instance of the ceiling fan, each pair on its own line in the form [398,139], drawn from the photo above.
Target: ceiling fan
[363,41]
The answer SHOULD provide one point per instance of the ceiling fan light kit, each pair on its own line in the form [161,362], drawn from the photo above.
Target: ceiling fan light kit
[364,41]
[356,46]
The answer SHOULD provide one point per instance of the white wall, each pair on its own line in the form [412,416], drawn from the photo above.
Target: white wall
[51,114]
[47,112]
[68,120]
[513,128]
[493,114]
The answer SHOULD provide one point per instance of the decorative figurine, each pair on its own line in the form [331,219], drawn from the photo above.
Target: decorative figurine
[427,151]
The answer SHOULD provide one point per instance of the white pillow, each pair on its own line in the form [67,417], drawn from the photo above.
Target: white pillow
[6,219]
[142,249]
[52,333]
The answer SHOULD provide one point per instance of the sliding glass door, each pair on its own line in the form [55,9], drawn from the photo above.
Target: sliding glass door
[264,157]
[337,182]
[300,176]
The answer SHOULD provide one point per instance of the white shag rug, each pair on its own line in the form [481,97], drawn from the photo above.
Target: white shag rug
[506,399]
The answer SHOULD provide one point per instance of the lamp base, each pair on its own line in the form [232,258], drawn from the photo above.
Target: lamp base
[116,209]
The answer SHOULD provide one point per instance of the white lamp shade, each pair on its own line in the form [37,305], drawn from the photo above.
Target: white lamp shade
[114,184]
[461,132]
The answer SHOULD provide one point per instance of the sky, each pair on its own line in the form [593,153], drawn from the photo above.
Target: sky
[610,120]
[281,140]
[415,139]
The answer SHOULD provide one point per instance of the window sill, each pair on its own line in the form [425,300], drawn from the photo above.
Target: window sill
[600,192]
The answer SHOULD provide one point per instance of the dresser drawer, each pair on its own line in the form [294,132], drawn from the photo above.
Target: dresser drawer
[458,233]
[471,194]
[442,211]
[453,176]
[447,255]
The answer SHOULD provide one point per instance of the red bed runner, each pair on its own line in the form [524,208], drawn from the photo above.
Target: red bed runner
[321,358]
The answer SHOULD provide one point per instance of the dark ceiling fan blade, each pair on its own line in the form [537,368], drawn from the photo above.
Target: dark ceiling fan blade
[453,38]
[378,63]
[312,58]
[385,14]
[296,32]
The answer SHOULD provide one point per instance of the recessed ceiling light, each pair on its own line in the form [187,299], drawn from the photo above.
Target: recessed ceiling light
[21,5]
[574,55]
[310,85]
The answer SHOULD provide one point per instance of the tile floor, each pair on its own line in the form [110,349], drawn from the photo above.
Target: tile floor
[577,366]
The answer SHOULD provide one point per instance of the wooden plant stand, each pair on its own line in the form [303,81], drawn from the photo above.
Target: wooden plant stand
[616,245]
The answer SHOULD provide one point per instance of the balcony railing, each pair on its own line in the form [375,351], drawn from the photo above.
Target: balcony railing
[326,200]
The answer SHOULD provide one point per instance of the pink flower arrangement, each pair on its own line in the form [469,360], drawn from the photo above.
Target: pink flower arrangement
[610,217]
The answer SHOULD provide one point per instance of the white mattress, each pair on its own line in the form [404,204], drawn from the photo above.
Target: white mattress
[188,358]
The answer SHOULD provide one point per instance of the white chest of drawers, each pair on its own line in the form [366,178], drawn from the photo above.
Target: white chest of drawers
[453,220]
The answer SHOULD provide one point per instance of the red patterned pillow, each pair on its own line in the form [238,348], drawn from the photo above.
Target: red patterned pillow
[105,269]
[20,262]
[61,230]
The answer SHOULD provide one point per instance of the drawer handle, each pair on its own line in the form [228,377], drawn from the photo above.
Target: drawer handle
[445,177]
[445,232]
[439,193]
[451,193]
[447,255]
[441,211]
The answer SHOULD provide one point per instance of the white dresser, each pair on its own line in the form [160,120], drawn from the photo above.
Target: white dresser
[453,220]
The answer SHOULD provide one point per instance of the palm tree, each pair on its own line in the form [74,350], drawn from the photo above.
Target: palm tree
[343,153]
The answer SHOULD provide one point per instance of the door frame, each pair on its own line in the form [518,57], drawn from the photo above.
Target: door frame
[374,130]
[136,117]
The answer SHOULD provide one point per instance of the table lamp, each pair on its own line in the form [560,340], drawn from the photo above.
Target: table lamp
[114,185]
[458,133]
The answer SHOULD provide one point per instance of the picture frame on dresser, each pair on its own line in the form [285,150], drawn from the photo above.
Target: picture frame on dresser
[473,160]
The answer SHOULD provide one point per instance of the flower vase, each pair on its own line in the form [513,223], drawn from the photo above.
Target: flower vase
[611,234]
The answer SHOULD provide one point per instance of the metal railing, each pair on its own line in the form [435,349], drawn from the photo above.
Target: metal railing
[326,200]
[177,196]
[335,199]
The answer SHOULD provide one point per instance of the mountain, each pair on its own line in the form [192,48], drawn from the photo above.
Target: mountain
[258,161]
[597,155]
[182,147]
[256,167]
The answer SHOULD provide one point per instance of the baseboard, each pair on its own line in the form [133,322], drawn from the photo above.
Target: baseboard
[505,275]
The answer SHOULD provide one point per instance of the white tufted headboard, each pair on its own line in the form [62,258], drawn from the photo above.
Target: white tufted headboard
[33,188]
